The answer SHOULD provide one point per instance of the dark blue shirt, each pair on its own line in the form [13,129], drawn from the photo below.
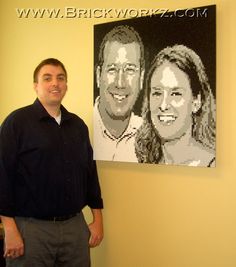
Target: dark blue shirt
[46,169]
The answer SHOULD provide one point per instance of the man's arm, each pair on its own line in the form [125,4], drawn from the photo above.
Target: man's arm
[14,246]
[96,228]
[94,199]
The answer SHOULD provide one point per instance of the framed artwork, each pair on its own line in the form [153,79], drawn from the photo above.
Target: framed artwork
[155,89]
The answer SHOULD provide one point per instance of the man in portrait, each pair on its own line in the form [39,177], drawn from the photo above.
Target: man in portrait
[119,79]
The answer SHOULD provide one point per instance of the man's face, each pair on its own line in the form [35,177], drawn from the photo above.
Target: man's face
[51,86]
[119,79]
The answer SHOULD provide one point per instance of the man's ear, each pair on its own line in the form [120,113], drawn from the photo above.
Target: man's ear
[197,102]
[98,75]
[35,86]
[141,78]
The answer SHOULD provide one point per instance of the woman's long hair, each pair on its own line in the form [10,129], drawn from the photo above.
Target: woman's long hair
[148,142]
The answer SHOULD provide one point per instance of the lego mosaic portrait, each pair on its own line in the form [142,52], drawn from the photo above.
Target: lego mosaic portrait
[155,88]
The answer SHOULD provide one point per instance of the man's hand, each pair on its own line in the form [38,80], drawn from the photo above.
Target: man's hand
[96,228]
[14,246]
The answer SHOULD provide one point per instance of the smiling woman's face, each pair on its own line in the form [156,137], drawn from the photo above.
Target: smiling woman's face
[171,101]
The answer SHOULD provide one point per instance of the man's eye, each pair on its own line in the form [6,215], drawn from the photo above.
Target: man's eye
[47,79]
[130,70]
[112,70]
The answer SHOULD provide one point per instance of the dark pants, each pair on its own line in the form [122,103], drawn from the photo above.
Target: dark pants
[2,260]
[53,244]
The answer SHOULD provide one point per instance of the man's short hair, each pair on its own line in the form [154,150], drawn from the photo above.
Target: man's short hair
[48,61]
[123,34]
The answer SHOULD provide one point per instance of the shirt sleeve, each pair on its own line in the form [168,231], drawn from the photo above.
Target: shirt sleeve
[8,154]
[94,198]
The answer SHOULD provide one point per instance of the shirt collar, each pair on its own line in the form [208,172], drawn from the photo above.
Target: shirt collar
[43,114]
[134,124]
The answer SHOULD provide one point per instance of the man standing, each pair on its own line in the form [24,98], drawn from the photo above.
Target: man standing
[119,77]
[47,176]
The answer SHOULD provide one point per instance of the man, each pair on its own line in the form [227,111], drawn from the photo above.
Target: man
[47,176]
[119,77]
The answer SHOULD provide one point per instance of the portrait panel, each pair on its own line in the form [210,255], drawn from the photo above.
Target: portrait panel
[155,88]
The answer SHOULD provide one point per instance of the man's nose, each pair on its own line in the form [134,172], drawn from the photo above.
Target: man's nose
[120,80]
[55,82]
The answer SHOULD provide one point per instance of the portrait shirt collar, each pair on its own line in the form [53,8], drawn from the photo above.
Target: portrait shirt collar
[134,123]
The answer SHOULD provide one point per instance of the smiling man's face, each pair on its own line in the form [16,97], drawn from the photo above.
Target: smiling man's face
[51,85]
[119,79]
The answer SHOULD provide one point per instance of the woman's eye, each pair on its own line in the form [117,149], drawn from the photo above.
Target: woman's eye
[176,94]
[156,93]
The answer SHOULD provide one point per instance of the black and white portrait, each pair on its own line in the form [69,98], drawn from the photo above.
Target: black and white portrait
[154,89]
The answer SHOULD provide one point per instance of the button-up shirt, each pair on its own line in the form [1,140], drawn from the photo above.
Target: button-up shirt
[46,168]
[108,147]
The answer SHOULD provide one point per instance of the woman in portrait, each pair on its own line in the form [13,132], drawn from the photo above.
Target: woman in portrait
[178,111]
